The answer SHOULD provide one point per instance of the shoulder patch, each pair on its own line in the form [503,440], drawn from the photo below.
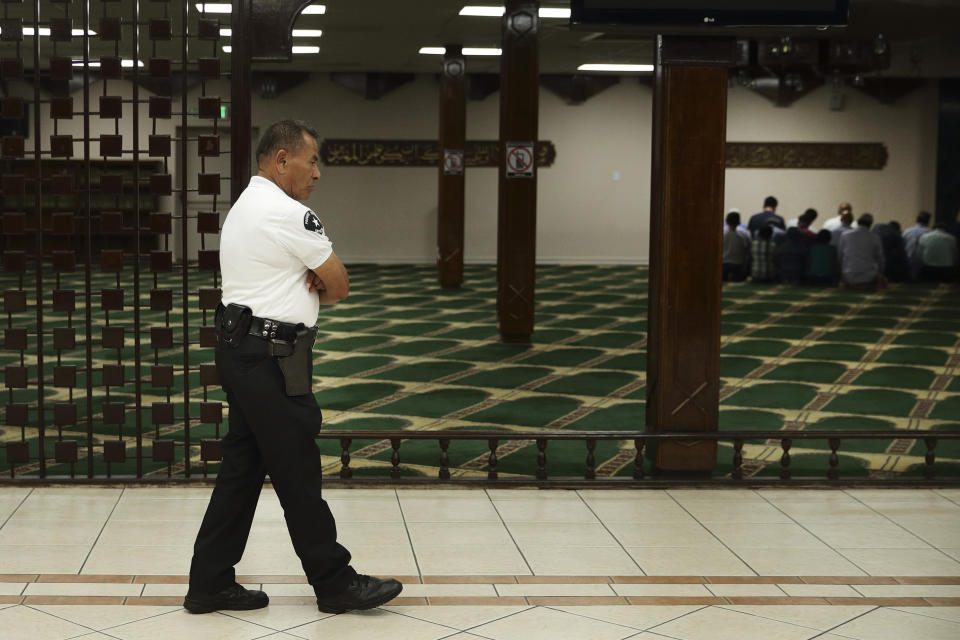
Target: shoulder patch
[311,222]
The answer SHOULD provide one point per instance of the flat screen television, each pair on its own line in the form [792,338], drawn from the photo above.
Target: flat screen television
[708,13]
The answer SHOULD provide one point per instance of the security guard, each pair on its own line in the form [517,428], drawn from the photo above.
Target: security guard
[278,267]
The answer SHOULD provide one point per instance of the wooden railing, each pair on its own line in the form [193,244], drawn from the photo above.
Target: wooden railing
[642,472]
[641,441]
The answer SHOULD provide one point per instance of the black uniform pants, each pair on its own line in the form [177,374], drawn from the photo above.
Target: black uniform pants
[273,433]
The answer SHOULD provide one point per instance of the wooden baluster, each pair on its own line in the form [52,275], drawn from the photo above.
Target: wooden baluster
[541,459]
[785,458]
[492,461]
[737,473]
[444,459]
[345,470]
[930,457]
[834,472]
[591,472]
[395,459]
[638,459]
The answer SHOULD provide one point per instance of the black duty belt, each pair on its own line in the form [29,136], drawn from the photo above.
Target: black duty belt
[273,329]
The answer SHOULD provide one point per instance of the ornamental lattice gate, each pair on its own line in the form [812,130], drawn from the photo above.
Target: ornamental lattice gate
[111,197]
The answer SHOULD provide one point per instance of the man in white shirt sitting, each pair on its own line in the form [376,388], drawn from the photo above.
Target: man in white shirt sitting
[861,256]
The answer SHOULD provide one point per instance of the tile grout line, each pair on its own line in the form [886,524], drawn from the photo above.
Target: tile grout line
[271,630]
[822,633]
[946,497]
[405,614]
[699,608]
[509,533]
[660,624]
[47,613]
[824,542]
[100,533]
[12,513]
[525,607]
[607,529]
[406,529]
[894,522]
[710,531]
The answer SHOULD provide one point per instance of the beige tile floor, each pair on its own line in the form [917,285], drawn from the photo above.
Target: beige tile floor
[481,564]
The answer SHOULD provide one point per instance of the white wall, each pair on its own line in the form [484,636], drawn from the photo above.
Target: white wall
[897,192]
[584,215]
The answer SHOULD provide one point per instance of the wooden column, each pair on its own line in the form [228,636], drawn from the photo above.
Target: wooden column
[450,198]
[686,206]
[517,210]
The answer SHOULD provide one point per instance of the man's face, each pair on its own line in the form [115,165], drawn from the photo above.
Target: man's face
[301,170]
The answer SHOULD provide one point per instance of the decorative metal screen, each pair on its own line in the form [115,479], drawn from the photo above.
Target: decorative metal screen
[111,205]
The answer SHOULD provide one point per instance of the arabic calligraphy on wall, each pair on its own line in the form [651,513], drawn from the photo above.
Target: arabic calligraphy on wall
[417,153]
[806,155]
[484,153]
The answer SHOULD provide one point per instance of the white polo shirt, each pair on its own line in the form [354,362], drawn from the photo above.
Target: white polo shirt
[267,243]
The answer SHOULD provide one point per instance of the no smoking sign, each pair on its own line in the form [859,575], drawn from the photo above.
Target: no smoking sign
[519,160]
[453,162]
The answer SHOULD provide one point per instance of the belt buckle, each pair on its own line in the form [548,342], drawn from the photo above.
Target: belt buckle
[270,329]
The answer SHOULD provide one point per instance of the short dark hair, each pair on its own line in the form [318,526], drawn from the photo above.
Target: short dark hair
[770,201]
[733,218]
[285,134]
[765,232]
[865,220]
[824,236]
[810,214]
[924,218]
[894,225]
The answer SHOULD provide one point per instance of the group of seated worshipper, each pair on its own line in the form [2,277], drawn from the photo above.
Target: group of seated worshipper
[853,253]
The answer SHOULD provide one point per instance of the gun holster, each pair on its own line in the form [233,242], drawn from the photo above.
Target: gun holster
[232,323]
[296,361]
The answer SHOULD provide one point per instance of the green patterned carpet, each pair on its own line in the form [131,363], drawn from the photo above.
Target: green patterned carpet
[401,353]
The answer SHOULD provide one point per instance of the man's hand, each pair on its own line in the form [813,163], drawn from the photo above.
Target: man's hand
[313,282]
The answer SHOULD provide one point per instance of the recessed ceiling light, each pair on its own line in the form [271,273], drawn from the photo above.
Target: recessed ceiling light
[214,7]
[79,32]
[496,12]
[307,49]
[96,63]
[28,31]
[227,48]
[616,67]
[481,51]
[467,51]
[488,12]
[315,9]
[297,33]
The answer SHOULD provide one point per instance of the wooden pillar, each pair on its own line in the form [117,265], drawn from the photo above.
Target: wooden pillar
[453,133]
[240,116]
[517,210]
[686,209]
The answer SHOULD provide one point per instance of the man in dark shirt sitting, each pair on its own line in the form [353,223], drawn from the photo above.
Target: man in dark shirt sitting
[769,213]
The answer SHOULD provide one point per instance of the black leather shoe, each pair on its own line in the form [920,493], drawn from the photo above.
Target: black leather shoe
[363,592]
[233,598]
